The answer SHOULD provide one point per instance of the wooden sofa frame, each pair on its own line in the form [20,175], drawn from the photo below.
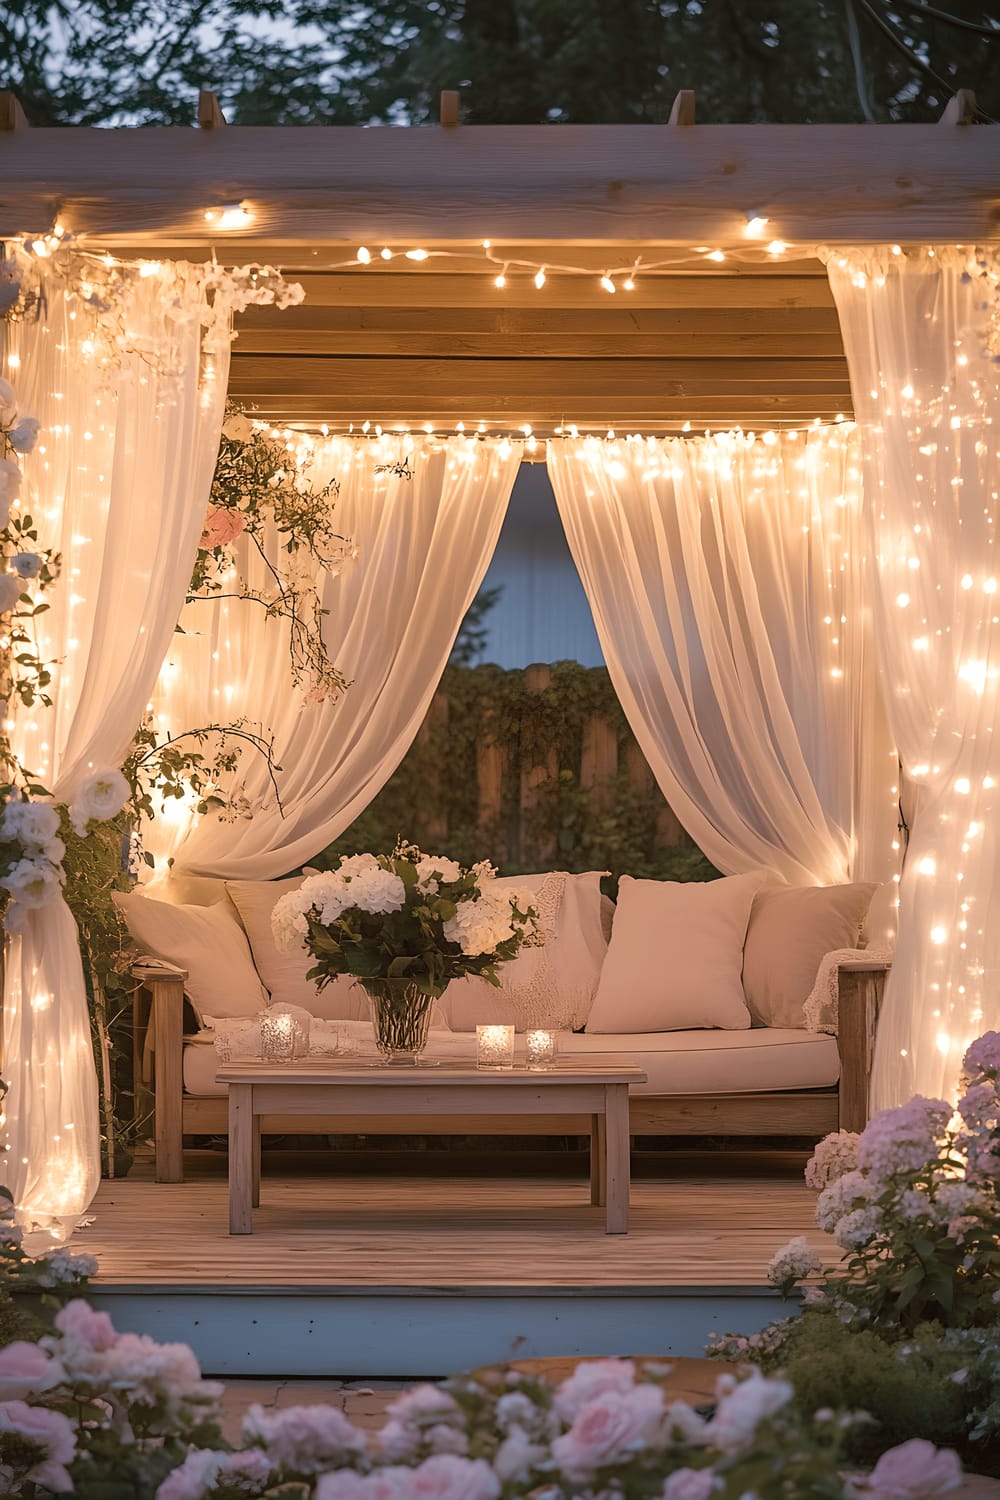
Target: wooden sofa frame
[160,1031]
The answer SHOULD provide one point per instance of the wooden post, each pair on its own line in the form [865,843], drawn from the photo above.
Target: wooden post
[536,775]
[599,761]
[12,116]
[682,110]
[491,763]
[166,985]
[961,109]
[860,999]
[448,107]
[210,116]
[434,821]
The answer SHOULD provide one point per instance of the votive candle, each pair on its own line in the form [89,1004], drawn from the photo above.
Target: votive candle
[494,1046]
[541,1047]
[277,1037]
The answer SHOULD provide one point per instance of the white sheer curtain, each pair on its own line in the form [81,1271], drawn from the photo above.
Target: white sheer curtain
[923,362]
[119,484]
[725,577]
[424,544]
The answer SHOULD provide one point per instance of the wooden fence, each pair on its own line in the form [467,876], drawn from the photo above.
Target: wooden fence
[531,800]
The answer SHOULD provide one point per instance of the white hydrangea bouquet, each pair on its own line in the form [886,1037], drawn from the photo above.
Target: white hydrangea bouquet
[404,925]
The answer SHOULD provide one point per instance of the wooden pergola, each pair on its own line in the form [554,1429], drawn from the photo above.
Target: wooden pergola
[752,339]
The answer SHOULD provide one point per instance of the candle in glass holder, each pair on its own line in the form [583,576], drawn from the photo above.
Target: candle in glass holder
[277,1037]
[541,1047]
[494,1046]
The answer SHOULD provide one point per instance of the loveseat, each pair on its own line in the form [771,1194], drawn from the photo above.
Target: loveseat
[705,986]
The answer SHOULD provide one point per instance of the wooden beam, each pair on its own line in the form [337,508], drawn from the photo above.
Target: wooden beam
[682,109]
[12,116]
[357,289]
[210,116]
[961,109]
[302,337]
[646,378]
[601,318]
[316,185]
[595,413]
[448,107]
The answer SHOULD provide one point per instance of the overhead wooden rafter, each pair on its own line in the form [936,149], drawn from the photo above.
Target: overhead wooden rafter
[695,344]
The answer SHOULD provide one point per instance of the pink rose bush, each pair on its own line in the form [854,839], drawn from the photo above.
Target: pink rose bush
[91,1411]
[908,1325]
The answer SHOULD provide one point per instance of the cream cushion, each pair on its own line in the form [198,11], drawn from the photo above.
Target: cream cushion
[675,1062]
[208,942]
[792,929]
[285,973]
[552,985]
[676,955]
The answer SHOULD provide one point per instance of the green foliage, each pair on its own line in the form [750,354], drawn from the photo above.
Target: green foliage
[434,794]
[96,866]
[260,487]
[933,1383]
[515,61]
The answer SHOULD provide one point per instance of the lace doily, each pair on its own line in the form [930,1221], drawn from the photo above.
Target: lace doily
[538,997]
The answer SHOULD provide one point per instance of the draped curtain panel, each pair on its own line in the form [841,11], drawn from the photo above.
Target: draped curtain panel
[424,544]
[725,576]
[922,340]
[119,484]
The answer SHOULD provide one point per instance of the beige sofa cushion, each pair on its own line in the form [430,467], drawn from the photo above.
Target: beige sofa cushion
[285,973]
[676,1062]
[792,929]
[676,955]
[209,942]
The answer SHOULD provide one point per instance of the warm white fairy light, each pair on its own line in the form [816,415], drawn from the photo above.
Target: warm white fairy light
[540,278]
[755,225]
[608,284]
[417,254]
[229,216]
[385,253]
[364,255]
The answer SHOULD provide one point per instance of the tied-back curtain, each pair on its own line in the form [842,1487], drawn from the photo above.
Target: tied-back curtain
[725,578]
[424,543]
[119,484]
[922,340]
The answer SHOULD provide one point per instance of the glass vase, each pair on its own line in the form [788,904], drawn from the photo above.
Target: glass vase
[401,1015]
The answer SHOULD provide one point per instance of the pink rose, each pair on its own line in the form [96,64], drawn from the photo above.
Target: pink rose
[689,1484]
[914,1471]
[611,1427]
[82,1324]
[305,1438]
[48,1430]
[222,526]
[590,1380]
[23,1368]
[446,1477]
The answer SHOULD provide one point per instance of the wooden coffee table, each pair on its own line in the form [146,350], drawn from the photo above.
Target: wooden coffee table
[316,1086]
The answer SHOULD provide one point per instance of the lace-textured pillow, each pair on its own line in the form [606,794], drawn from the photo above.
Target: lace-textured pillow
[552,985]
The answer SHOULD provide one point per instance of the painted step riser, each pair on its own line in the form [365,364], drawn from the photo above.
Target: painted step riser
[385,1337]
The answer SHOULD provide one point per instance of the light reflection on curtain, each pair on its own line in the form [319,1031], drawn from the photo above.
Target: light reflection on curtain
[424,545]
[926,384]
[726,582]
[119,484]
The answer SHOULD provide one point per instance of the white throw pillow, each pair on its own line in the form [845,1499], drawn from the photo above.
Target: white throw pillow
[676,956]
[209,942]
[552,985]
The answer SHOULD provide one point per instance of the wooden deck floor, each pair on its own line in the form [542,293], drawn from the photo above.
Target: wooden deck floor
[707,1222]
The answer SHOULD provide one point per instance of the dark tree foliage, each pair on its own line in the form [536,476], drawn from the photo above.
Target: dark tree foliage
[515,61]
